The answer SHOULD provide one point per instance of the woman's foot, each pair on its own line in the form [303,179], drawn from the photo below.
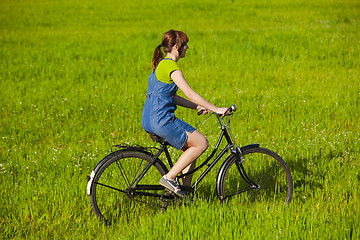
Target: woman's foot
[172,186]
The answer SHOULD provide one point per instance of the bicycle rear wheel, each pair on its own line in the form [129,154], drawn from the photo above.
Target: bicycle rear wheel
[270,177]
[111,196]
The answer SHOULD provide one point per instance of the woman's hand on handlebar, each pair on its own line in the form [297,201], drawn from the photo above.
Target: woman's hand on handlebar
[223,111]
[201,110]
[219,111]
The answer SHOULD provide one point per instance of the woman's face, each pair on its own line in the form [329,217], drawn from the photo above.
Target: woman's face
[182,51]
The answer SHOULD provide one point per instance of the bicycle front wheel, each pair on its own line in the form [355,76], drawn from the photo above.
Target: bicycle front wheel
[114,196]
[260,175]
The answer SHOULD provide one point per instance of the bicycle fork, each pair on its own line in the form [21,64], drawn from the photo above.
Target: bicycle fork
[239,160]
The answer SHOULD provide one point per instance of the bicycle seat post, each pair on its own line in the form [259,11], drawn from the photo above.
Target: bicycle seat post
[163,147]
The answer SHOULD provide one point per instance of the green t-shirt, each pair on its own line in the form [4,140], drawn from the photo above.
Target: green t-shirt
[164,69]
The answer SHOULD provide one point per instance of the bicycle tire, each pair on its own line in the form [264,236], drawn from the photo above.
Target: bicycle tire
[265,168]
[113,176]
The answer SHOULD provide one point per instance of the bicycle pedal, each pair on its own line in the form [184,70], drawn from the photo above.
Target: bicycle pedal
[168,192]
[168,196]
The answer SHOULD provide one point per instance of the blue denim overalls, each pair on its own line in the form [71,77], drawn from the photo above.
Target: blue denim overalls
[158,113]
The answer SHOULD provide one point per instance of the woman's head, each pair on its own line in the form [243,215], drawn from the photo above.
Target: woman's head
[170,39]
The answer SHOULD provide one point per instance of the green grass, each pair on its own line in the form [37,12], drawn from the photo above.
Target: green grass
[73,78]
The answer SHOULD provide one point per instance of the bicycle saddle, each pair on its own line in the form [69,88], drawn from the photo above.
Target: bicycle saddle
[157,139]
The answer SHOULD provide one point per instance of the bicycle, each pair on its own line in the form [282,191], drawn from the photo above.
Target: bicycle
[128,178]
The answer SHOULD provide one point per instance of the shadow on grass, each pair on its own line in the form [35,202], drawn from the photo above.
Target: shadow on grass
[309,173]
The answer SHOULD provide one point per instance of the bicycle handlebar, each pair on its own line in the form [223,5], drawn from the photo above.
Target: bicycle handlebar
[231,109]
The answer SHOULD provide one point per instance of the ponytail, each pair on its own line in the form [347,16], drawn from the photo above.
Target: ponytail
[158,55]
[170,38]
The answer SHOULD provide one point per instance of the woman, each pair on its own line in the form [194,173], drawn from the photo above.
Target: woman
[158,113]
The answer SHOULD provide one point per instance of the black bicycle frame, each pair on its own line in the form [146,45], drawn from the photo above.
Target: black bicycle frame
[230,146]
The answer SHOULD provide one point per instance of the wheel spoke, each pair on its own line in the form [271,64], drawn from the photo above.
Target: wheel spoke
[123,173]
[104,185]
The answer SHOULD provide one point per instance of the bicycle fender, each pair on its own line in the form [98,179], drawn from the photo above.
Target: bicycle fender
[92,175]
[249,146]
[89,184]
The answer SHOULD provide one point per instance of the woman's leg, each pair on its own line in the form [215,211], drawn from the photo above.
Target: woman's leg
[195,145]
[187,179]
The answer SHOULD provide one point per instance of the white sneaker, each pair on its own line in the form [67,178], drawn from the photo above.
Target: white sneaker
[171,185]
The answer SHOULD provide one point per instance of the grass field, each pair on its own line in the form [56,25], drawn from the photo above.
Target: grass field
[73,80]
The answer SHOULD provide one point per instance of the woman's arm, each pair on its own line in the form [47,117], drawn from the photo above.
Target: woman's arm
[178,77]
[184,102]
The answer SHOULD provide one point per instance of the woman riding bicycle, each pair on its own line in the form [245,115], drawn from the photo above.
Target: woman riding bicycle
[161,102]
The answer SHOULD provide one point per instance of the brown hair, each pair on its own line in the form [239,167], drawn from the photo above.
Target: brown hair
[170,38]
